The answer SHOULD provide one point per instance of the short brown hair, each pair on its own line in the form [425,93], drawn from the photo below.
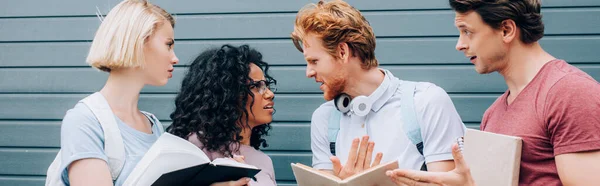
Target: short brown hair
[336,22]
[525,13]
[119,41]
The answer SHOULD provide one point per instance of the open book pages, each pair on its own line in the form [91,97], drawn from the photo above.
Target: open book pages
[307,176]
[494,159]
[169,153]
[231,163]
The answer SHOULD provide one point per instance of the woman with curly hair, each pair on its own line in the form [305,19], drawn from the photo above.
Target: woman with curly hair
[225,106]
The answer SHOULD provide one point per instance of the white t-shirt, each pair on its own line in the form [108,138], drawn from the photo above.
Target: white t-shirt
[440,127]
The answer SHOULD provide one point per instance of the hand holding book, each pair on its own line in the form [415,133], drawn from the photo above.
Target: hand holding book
[487,159]
[460,176]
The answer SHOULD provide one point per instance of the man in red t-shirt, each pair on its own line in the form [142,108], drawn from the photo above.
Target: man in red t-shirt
[553,106]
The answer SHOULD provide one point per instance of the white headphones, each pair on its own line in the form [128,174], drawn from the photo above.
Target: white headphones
[360,105]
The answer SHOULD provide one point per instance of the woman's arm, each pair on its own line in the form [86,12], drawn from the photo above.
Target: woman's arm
[89,172]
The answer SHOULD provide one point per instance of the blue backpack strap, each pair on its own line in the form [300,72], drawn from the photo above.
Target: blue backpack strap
[411,126]
[333,127]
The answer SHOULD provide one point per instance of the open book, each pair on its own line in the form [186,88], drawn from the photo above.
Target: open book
[494,159]
[175,161]
[307,176]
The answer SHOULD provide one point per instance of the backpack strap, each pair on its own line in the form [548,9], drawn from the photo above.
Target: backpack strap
[113,141]
[154,121]
[411,126]
[333,127]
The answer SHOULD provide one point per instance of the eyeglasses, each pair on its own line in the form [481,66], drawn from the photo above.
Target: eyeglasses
[263,85]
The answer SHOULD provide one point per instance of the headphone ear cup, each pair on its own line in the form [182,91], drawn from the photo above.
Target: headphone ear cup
[342,103]
[361,105]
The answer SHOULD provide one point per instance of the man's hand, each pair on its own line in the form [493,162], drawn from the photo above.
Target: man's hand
[359,159]
[460,176]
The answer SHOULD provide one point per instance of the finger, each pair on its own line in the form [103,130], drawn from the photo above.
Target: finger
[420,176]
[459,161]
[362,153]
[369,157]
[337,166]
[240,182]
[409,182]
[239,158]
[377,160]
[352,156]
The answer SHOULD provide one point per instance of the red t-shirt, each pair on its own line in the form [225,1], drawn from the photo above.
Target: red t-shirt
[558,112]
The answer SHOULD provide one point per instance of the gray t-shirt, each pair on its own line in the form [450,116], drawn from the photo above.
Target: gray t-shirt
[82,137]
[266,176]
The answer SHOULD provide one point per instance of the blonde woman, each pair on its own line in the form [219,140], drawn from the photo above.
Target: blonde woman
[134,44]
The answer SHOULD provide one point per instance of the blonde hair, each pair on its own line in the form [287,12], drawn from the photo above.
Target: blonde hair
[336,22]
[119,42]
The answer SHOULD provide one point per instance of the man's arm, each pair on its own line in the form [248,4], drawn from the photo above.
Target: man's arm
[460,176]
[440,127]
[580,168]
[574,128]
[440,166]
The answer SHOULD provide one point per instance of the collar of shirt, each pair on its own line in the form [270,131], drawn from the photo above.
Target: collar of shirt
[384,92]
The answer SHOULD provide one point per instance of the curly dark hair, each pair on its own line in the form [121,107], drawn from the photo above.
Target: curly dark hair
[213,98]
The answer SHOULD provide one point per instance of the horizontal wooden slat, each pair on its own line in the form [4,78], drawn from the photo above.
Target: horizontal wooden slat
[282,161]
[35,162]
[290,79]
[39,133]
[26,161]
[577,49]
[452,78]
[279,25]
[22,180]
[294,108]
[282,136]
[77,8]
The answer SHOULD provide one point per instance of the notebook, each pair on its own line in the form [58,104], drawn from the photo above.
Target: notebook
[494,159]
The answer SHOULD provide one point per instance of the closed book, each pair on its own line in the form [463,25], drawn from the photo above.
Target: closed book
[494,159]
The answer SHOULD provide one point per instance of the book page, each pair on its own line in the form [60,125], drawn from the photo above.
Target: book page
[231,163]
[373,176]
[307,176]
[169,153]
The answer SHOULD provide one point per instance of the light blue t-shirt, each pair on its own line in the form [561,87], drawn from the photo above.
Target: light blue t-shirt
[82,137]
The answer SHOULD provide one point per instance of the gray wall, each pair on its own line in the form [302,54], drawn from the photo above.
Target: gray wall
[43,45]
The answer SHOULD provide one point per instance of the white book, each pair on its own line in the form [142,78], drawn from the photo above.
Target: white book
[172,160]
[494,159]
[307,176]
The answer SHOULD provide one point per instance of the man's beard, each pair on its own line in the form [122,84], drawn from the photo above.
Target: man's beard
[334,87]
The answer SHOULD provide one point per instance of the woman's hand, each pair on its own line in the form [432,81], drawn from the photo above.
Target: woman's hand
[240,182]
